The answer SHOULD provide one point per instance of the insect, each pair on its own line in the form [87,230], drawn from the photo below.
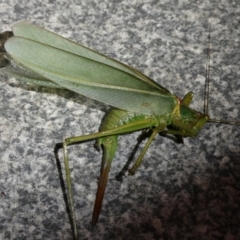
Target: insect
[38,56]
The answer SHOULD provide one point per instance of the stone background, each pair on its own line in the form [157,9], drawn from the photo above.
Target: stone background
[189,191]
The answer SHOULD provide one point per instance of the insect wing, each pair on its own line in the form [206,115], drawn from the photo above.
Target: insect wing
[41,35]
[90,78]
[19,71]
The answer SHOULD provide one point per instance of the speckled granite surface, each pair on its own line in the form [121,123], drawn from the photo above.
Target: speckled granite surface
[189,191]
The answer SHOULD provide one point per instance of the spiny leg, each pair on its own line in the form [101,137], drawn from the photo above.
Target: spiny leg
[70,193]
[130,127]
[144,134]
[109,146]
[69,188]
[138,162]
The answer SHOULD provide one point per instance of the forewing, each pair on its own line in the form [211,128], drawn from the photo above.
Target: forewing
[90,78]
[23,73]
[41,35]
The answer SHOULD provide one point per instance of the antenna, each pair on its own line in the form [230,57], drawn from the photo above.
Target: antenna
[207,89]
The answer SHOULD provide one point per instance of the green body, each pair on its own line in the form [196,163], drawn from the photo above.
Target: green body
[40,57]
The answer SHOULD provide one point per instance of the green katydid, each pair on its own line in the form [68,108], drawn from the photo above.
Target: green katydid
[43,58]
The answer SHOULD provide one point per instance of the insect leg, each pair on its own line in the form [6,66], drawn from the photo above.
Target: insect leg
[108,148]
[138,162]
[70,195]
[186,101]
